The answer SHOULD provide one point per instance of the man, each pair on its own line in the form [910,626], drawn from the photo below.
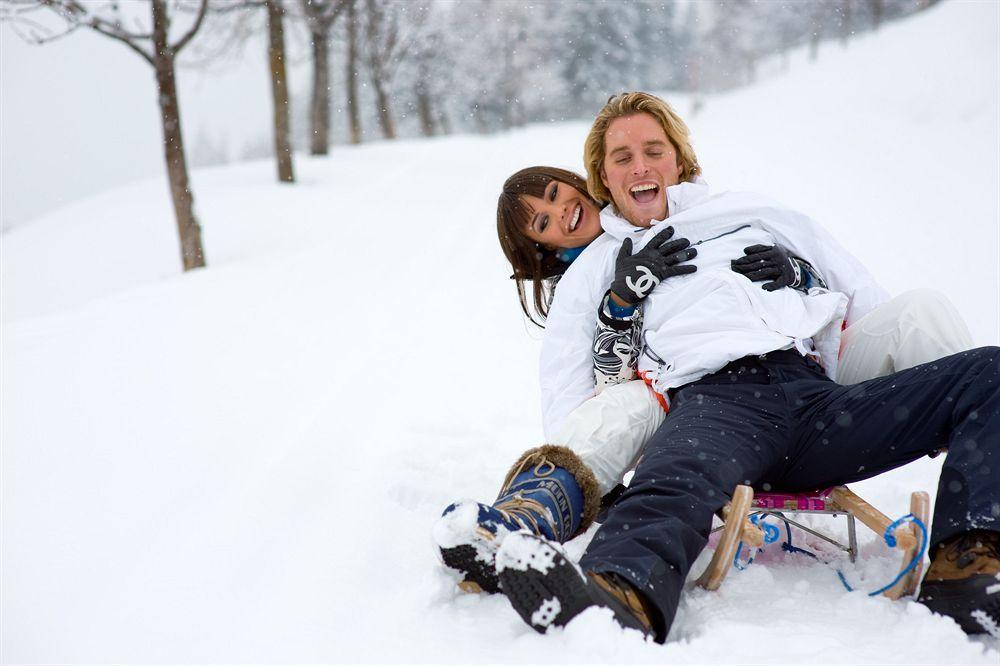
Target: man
[749,404]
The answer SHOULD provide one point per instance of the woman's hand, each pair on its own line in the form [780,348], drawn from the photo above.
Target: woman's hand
[637,274]
[770,262]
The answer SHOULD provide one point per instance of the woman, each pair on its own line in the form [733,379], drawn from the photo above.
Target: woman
[545,219]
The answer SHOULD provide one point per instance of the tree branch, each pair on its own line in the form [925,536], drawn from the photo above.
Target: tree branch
[245,4]
[202,10]
[117,28]
[332,11]
[35,37]
[16,8]
[95,25]
[68,10]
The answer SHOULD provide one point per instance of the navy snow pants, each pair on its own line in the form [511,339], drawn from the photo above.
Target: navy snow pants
[777,422]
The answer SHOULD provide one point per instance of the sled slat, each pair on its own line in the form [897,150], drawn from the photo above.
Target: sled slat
[920,504]
[725,551]
[874,519]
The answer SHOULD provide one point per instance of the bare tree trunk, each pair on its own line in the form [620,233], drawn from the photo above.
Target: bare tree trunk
[878,11]
[384,113]
[353,110]
[443,122]
[846,22]
[509,93]
[192,253]
[424,111]
[694,84]
[320,116]
[279,89]
[377,72]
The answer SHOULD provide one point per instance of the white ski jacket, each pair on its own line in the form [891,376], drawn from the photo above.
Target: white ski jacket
[695,324]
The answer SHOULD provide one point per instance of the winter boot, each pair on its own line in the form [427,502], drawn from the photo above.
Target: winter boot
[963,581]
[549,491]
[547,589]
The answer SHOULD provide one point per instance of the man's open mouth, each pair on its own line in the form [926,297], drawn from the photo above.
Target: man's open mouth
[645,192]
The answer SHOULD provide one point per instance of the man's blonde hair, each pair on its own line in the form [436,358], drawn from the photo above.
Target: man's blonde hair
[629,104]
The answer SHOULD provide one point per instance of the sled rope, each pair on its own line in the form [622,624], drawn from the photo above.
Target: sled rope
[890,540]
[771,534]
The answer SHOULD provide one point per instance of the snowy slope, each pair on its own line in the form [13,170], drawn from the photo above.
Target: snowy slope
[242,464]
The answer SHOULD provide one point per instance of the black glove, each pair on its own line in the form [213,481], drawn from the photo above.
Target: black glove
[764,262]
[637,274]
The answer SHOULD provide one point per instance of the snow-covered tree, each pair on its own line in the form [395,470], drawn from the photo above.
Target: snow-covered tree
[601,50]
[319,17]
[392,27]
[660,49]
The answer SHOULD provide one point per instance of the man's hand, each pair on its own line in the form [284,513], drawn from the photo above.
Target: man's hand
[637,274]
[770,262]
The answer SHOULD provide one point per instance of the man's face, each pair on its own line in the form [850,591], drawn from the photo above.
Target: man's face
[639,164]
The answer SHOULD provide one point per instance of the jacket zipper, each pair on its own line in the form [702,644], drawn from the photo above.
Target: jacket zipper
[726,233]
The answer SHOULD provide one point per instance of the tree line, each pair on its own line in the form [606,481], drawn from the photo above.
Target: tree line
[432,67]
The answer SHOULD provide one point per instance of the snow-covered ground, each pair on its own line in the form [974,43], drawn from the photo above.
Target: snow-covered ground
[243,464]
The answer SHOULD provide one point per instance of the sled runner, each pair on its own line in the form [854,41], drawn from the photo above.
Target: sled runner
[741,529]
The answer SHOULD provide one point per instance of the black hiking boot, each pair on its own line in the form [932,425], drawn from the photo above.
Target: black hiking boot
[963,581]
[547,589]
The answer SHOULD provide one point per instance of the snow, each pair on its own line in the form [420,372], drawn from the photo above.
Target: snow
[455,530]
[521,552]
[546,613]
[244,463]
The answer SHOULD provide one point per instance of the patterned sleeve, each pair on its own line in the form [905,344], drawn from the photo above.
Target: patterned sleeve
[810,277]
[616,345]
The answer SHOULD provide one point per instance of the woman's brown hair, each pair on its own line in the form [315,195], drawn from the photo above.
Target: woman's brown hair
[531,261]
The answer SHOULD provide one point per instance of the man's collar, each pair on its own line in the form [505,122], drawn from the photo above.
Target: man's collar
[680,197]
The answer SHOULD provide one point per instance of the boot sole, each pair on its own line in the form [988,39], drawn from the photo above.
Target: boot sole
[478,576]
[542,598]
[967,602]
[547,589]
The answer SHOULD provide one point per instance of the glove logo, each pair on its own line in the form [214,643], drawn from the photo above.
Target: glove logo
[644,284]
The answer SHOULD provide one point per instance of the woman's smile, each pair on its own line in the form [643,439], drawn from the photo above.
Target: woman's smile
[563,217]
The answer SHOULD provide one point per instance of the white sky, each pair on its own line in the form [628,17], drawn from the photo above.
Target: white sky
[78,116]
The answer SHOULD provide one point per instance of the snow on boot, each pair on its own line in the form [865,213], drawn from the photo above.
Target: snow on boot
[548,491]
[547,589]
[963,581]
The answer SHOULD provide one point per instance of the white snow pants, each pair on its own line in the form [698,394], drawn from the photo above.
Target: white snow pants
[915,327]
[609,431]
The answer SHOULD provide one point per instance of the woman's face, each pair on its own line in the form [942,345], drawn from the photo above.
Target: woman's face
[563,217]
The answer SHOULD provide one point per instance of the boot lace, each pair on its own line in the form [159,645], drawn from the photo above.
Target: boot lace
[971,546]
[522,510]
[542,468]
[519,508]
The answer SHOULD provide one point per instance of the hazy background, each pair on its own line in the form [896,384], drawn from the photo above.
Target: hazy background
[78,115]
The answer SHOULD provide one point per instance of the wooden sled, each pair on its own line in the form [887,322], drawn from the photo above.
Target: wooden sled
[836,501]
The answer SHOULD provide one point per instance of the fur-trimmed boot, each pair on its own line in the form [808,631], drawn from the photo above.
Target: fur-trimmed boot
[963,581]
[549,491]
